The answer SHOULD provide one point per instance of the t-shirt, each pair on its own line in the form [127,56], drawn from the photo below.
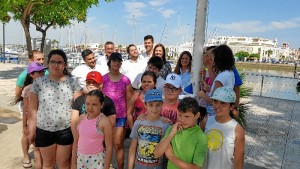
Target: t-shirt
[80,72]
[54,102]
[148,135]
[186,83]
[189,145]
[221,138]
[117,92]
[102,63]
[170,111]
[237,78]
[22,77]
[108,108]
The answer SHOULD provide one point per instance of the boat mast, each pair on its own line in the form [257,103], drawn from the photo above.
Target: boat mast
[199,39]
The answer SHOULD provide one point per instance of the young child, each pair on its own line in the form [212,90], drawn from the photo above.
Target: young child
[93,129]
[226,138]
[184,144]
[146,134]
[34,70]
[172,90]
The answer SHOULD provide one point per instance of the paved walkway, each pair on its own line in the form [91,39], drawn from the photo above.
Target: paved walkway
[272,136]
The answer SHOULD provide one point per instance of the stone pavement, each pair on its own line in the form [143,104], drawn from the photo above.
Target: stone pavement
[272,136]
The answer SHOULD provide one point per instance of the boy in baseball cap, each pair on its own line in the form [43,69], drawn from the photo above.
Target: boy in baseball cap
[172,90]
[147,133]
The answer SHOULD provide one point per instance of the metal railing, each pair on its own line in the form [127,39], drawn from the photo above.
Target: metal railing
[273,86]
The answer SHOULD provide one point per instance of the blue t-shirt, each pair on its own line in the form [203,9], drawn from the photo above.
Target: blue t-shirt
[237,78]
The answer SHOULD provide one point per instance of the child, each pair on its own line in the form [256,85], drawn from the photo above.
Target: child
[184,144]
[93,129]
[34,70]
[172,90]
[226,138]
[146,134]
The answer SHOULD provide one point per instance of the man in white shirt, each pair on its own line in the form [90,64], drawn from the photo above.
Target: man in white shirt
[109,48]
[135,65]
[148,44]
[154,65]
[80,72]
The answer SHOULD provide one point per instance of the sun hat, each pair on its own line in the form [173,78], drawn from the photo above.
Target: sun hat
[153,95]
[224,94]
[35,67]
[94,75]
[174,79]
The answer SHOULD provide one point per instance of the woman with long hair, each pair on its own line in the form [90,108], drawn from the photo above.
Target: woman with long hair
[160,51]
[183,69]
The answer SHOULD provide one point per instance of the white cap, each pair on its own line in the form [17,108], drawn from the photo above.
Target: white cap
[174,79]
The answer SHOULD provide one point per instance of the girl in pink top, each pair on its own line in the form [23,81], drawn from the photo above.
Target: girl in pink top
[93,130]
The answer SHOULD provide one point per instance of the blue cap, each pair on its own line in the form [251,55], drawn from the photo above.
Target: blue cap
[153,95]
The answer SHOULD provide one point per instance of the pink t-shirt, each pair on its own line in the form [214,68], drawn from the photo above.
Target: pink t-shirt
[91,138]
[117,92]
[170,111]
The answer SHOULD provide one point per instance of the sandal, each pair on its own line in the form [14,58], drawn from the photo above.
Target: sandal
[27,164]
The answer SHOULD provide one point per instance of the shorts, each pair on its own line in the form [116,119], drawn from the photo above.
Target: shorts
[90,161]
[47,138]
[120,122]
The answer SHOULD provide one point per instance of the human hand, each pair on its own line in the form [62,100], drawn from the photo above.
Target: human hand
[142,117]
[31,136]
[169,152]
[176,128]
[25,130]
[201,94]
[166,120]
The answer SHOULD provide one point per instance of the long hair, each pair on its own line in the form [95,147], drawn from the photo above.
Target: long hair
[179,65]
[164,52]
[28,81]
[224,59]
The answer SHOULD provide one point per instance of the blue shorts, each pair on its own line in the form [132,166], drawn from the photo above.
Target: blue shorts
[120,122]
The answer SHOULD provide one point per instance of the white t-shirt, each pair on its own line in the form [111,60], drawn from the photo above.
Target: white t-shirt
[80,72]
[132,68]
[146,56]
[102,63]
[226,78]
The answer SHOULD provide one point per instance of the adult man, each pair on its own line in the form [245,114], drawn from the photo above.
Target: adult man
[148,44]
[109,48]
[80,72]
[135,65]
[154,65]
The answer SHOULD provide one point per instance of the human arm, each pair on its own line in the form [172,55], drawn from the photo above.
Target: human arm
[32,112]
[75,136]
[25,115]
[18,91]
[162,146]
[239,147]
[178,162]
[131,154]
[130,109]
[207,98]
[203,123]
[107,128]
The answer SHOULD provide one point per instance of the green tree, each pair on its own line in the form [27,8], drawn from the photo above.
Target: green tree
[45,14]
[242,55]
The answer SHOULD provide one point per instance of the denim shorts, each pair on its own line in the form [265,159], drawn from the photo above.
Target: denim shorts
[120,122]
[47,138]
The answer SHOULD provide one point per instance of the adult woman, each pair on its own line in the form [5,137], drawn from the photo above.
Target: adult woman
[118,87]
[50,112]
[136,105]
[183,69]
[160,51]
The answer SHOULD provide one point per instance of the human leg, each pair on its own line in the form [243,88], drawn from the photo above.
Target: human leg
[119,145]
[25,148]
[37,158]
[48,155]
[63,156]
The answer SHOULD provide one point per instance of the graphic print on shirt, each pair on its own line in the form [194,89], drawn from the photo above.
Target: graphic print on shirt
[149,138]
[215,139]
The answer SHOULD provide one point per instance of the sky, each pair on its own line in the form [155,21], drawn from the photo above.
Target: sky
[172,22]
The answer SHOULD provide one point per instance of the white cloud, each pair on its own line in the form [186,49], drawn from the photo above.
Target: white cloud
[259,26]
[135,8]
[167,13]
[158,3]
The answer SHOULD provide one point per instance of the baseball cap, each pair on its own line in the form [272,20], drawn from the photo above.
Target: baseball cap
[115,56]
[153,95]
[224,94]
[94,75]
[174,79]
[35,67]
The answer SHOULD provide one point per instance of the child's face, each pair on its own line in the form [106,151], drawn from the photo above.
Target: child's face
[154,108]
[147,82]
[187,119]
[222,108]
[92,85]
[93,106]
[171,92]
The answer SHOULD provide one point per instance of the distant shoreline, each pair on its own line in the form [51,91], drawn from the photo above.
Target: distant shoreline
[287,67]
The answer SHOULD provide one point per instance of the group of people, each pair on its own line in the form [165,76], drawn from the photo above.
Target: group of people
[75,120]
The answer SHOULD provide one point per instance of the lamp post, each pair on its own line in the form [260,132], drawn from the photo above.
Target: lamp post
[3,49]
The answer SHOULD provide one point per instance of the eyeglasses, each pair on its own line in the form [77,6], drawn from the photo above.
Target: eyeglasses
[171,89]
[58,63]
